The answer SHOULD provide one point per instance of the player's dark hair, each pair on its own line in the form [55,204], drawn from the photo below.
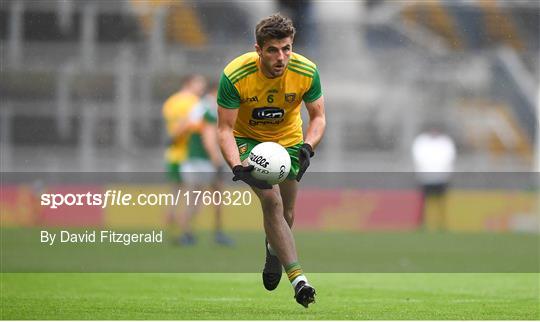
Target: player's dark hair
[275,26]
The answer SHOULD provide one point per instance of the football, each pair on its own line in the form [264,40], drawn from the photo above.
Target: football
[271,162]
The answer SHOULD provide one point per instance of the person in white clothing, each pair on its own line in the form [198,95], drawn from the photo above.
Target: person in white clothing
[434,154]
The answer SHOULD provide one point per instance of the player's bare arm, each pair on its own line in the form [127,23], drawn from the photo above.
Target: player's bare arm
[317,122]
[227,143]
[315,132]
[209,140]
[181,128]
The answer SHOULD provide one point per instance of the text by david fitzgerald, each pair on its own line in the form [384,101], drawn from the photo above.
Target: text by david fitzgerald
[101,236]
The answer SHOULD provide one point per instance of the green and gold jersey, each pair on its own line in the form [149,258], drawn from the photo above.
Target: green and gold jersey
[176,109]
[204,113]
[269,108]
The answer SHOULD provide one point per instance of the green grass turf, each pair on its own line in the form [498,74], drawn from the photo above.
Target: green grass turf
[78,296]
[332,252]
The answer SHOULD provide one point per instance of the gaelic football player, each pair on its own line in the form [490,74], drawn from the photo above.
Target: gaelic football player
[260,96]
[203,167]
[175,113]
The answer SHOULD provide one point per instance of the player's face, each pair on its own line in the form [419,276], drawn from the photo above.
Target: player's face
[198,85]
[275,55]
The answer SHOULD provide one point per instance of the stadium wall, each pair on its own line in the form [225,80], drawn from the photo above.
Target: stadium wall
[317,209]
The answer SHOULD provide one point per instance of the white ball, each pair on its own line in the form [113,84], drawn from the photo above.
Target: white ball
[271,162]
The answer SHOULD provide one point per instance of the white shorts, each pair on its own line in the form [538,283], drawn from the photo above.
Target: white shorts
[198,172]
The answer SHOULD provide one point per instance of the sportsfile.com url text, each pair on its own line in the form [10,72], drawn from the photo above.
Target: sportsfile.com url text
[120,198]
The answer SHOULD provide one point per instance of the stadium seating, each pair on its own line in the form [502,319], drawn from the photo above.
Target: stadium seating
[70,62]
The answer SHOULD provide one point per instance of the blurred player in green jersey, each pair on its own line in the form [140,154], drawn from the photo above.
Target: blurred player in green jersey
[175,113]
[203,166]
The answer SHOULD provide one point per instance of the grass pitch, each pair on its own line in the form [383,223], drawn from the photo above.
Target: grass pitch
[134,296]
[319,251]
[358,276]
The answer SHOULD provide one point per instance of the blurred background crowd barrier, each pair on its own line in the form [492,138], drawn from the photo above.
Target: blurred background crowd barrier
[317,209]
[83,83]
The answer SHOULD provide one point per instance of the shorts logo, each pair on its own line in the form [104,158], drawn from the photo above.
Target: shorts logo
[290,97]
[242,148]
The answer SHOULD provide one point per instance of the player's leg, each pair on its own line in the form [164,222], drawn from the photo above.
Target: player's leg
[441,200]
[422,218]
[187,237]
[272,267]
[272,206]
[276,228]
[273,270]
[289,187]
[220,237]
[304,293]
[192,183]
[431,207]
[281,239]
[288,190]
[174,178]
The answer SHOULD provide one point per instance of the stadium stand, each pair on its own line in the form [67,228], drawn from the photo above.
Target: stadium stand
[75,69]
